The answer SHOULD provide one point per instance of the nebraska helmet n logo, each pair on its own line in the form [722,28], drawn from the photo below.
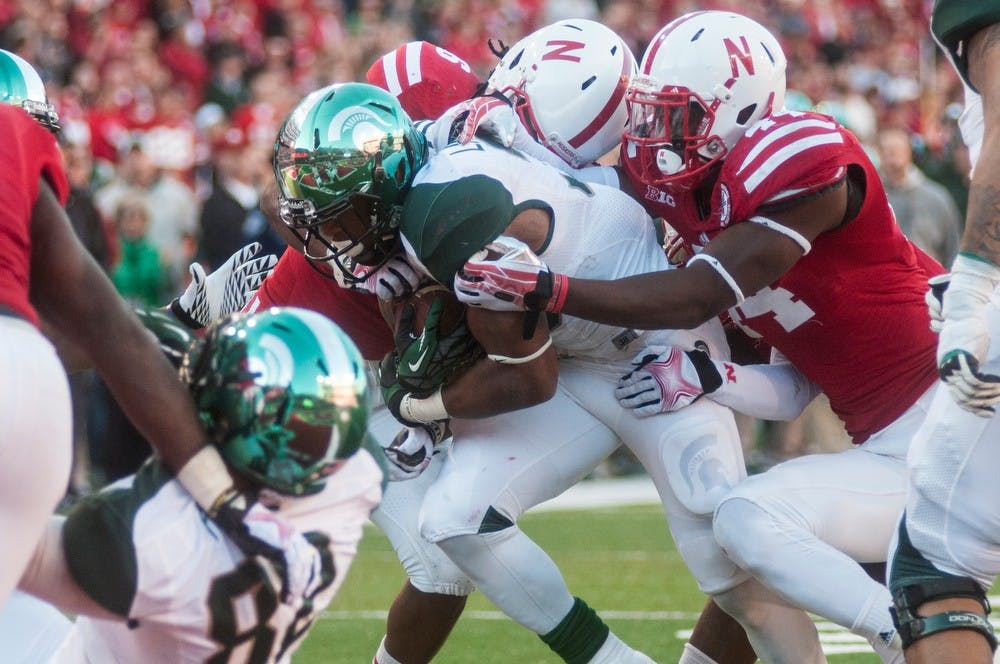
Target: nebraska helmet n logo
[563,50]
[737,55]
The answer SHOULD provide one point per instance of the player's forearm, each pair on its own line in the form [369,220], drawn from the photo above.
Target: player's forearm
[764,391]
[671,299]
[488,388]
[982,226]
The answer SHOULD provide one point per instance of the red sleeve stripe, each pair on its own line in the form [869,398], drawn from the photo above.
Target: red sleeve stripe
[782,132]
[790,151]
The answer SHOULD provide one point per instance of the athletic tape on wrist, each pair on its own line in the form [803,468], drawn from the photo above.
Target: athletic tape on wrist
[424,411]
[206,477]
[717,266]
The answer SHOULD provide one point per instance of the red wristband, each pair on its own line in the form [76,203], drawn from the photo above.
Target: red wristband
[560,286]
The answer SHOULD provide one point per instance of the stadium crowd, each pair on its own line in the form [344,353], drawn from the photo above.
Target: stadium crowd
[170,109]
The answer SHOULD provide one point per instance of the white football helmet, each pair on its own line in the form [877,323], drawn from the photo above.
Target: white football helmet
[568,82]
[705,78]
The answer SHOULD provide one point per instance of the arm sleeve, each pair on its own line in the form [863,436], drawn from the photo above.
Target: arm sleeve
[775,391]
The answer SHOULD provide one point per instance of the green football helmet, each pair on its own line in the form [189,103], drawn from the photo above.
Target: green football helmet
[344,159]
[283,394]
[174,338]
[20,85]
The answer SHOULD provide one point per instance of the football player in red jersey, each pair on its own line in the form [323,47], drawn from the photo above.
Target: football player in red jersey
[48,280]
[795,240]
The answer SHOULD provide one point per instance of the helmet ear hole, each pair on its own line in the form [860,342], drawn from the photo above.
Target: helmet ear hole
[745,114]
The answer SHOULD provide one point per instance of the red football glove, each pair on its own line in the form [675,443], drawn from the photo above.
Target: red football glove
[508,276]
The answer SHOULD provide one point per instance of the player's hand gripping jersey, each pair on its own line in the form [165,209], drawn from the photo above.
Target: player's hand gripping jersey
[850,313]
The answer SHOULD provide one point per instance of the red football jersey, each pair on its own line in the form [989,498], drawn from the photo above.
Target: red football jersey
[426,79]
[850,314]
[28,151]
[294,283]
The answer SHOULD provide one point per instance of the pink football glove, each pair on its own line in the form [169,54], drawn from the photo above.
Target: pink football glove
[665,379]
[508,276]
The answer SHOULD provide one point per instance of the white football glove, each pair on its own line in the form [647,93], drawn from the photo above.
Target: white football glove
[224,291]
[303,561]
[665,379]
[964,338]
[934,297]
[409,453]
[399,277]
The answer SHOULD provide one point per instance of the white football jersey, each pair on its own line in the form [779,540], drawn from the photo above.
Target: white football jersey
[144,550]
[597,232]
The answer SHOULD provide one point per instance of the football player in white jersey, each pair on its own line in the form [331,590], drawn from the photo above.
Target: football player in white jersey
[284,394]
[948,551]
[495,508]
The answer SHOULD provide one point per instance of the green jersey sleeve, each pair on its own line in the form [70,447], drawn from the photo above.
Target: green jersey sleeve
[98,539]
[445,223]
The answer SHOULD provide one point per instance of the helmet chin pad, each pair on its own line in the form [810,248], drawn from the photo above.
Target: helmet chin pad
[668,161]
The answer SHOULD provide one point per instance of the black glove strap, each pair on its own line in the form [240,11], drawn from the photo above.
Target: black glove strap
[178,311]
[708,373]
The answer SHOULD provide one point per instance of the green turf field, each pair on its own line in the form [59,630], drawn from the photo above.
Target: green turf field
[621,560]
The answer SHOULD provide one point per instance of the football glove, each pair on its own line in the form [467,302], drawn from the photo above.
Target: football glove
[964,338]
[426,361]
[224,291]
[230,514]
[517,280]
[409,453]
[409,408]
[491,114]
[301,560]
[399,277]
[934,297]
[665,379]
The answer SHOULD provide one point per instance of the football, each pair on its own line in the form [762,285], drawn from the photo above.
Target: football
[451,318]
[454,350]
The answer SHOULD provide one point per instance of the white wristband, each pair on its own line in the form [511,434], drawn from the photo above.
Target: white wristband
[206,477]
[717,266]
[424,411]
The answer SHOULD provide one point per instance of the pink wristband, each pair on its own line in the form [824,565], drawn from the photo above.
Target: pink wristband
[560,286]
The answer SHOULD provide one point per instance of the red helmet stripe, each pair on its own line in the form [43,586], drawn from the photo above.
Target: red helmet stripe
[614,101]
[661,35]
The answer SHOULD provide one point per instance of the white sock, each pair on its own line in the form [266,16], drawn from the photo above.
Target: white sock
[875,624]
[383,657]
[616,651]
[692,655]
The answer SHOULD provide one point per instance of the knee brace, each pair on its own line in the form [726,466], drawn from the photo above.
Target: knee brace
[912,627]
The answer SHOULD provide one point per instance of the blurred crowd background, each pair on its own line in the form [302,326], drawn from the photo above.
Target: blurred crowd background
[170,108]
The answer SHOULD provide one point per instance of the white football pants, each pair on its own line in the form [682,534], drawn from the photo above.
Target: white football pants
[36,442]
